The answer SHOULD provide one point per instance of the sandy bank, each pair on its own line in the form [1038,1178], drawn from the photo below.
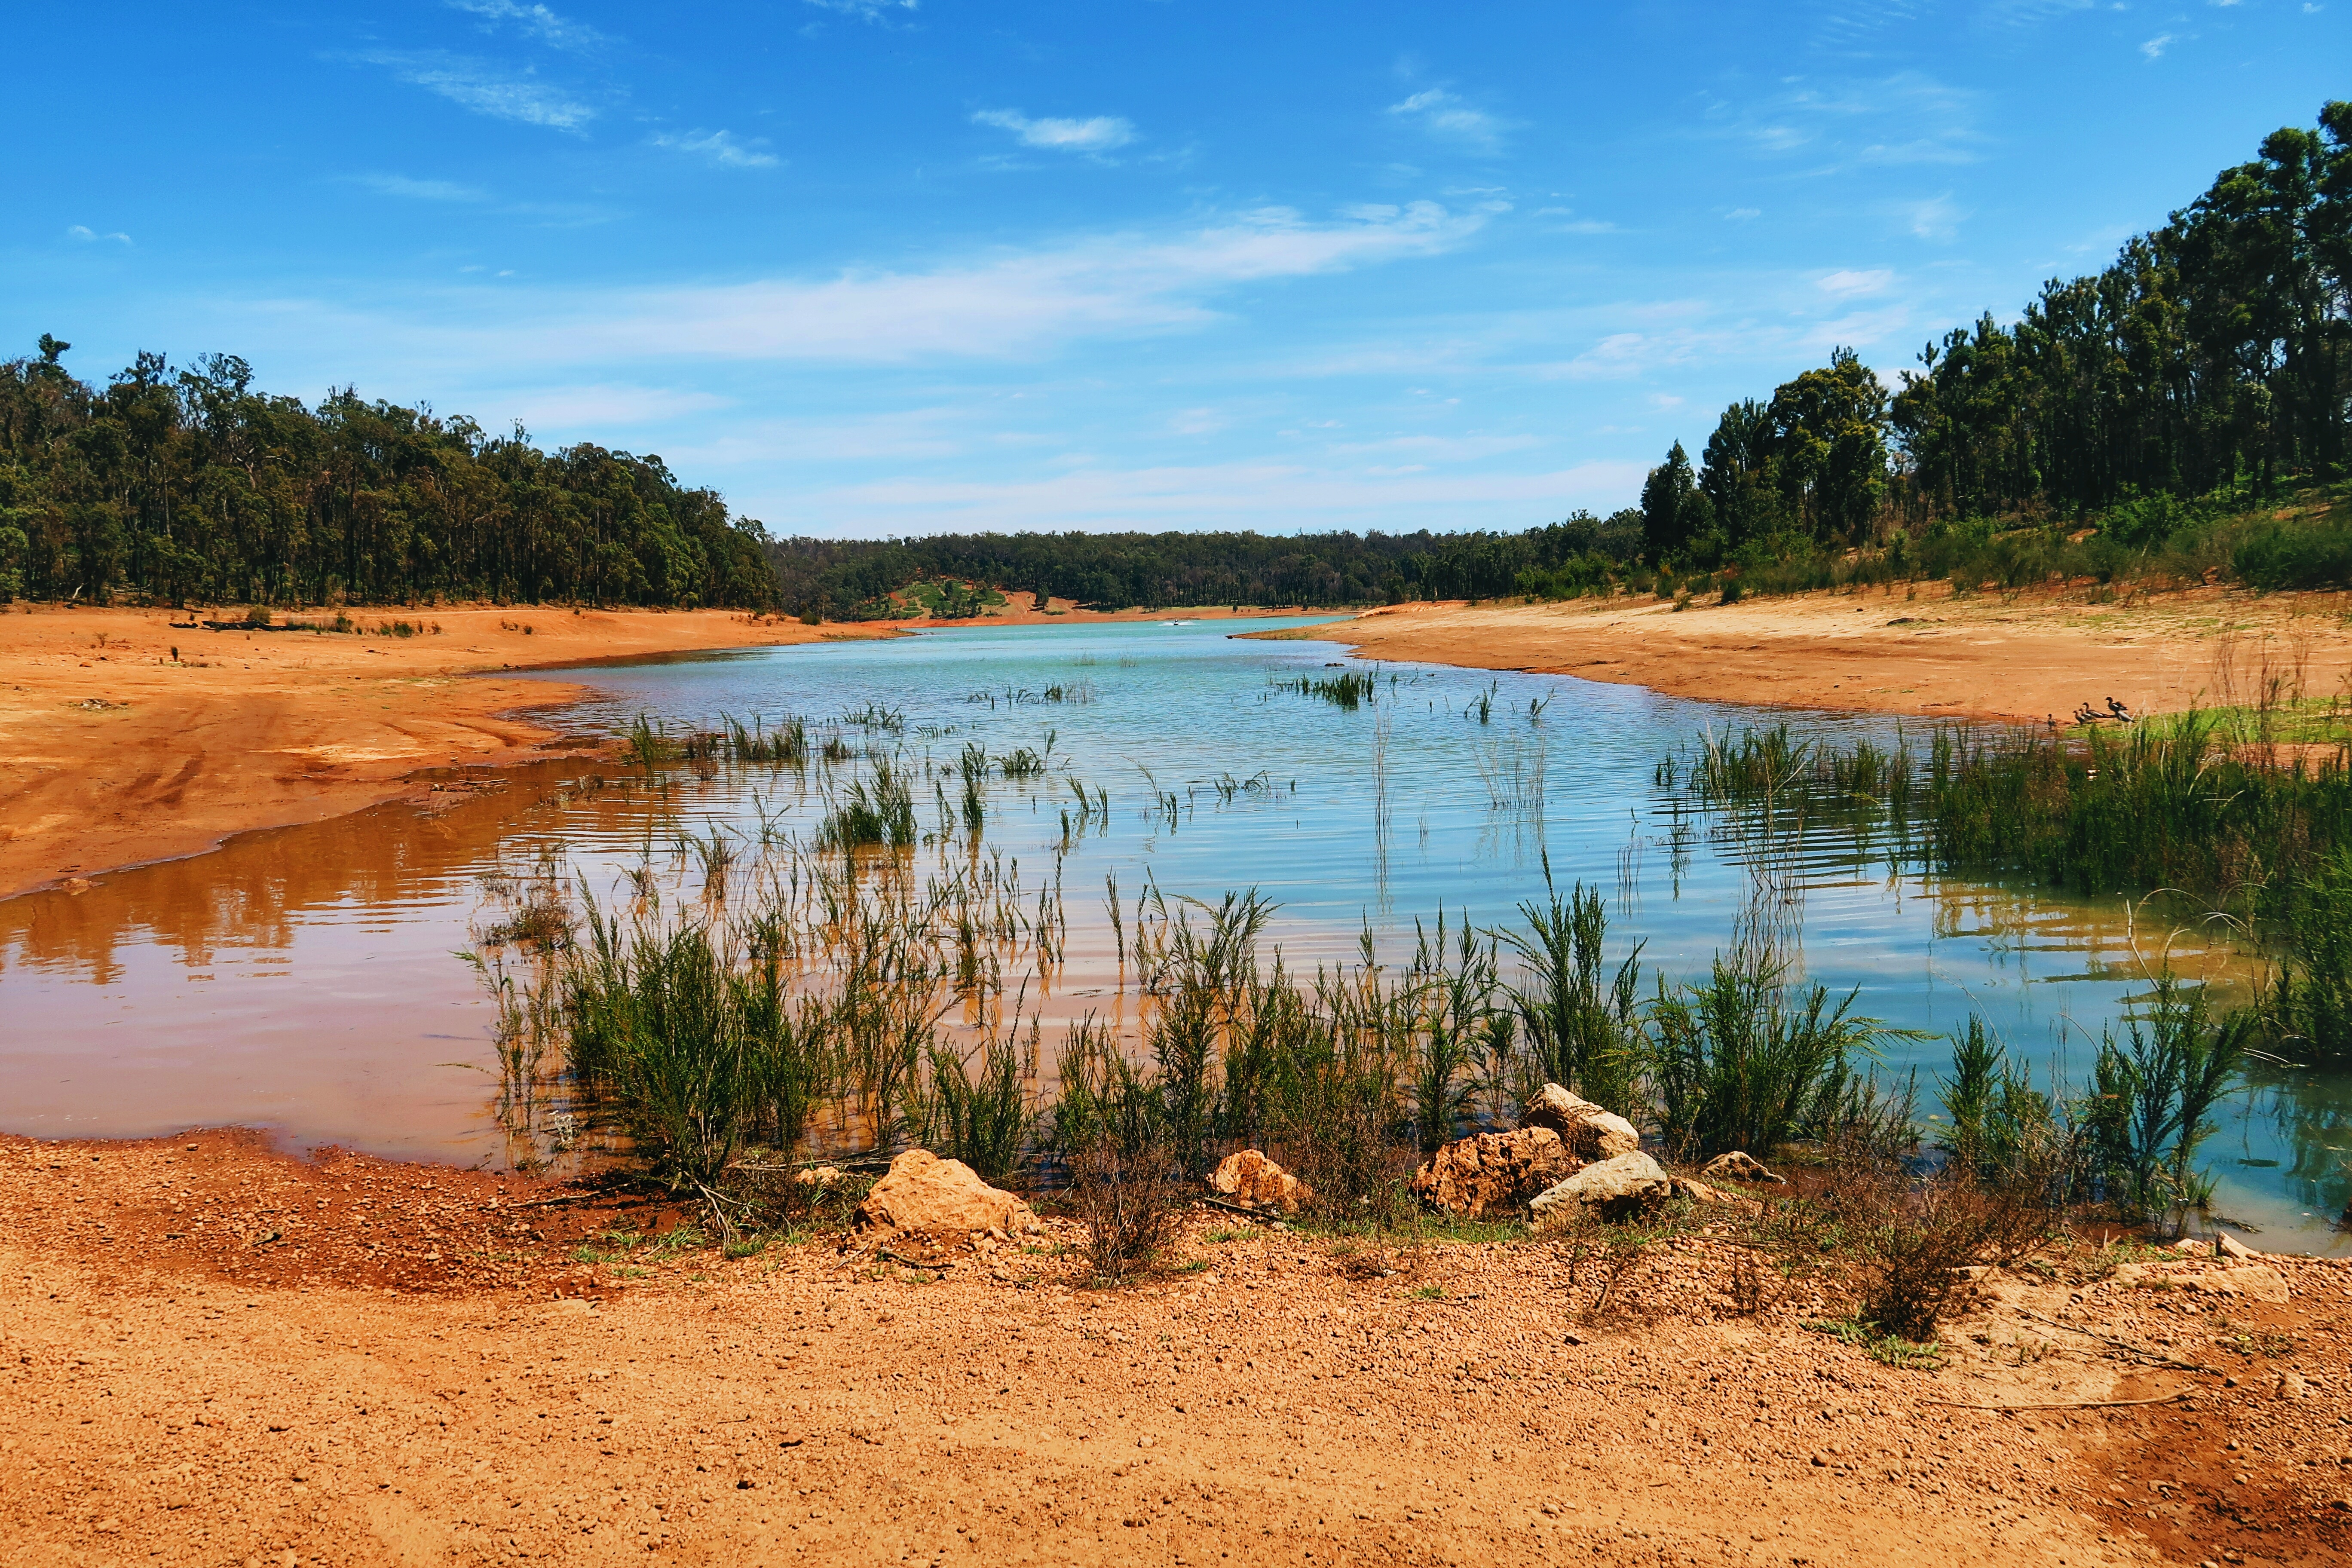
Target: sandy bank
[116,753]
[124,740]
[1979,657]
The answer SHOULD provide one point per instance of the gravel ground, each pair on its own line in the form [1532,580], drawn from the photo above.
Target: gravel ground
[212,1353]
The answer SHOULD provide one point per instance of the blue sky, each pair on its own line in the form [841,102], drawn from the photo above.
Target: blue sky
[882,267]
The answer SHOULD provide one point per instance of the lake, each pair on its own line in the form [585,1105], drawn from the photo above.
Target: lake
[308,980]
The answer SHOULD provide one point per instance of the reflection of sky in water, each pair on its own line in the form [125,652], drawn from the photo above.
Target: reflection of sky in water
[1471,810]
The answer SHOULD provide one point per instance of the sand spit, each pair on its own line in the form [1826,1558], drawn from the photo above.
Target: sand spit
[212,1353]
[2022,658]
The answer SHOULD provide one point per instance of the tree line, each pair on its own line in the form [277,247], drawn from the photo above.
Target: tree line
[846,579]
[188,484]
[2214,354]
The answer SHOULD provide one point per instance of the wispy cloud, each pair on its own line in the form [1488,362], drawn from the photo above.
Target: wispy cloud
[864,10]
[1936,218]
[534,21]
[1906,118]
[1444,115]
[485,88]
[720,147]
[420,190]
[86,236]
[2153,49]
[1103,134]
[1005,307]
[1850,285]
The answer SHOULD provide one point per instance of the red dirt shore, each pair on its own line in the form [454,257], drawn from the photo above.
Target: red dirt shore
[214,1354]
[125,739]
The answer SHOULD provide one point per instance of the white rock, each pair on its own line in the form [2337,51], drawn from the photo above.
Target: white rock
[1610,1186]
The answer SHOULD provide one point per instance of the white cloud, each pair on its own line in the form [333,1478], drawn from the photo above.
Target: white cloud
[1848,285]
[863,10]
[1008,307]
[2153,49]
[720,147]
[471,84]
[87,236]
[420,190]
[1742,215]
[1444,115]
[535,21]
[1935,218]
[1103,134]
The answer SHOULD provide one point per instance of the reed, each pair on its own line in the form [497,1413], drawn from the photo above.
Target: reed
[1582,1019]
[1347,691]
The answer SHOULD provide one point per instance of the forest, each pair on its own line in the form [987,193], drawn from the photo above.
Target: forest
[188,484]
[2146,417]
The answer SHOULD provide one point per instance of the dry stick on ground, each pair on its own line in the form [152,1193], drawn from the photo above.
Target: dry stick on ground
[2150,1356]
[2065,1403]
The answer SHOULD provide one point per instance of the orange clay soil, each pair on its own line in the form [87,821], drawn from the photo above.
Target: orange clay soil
[113,753]
[2019,658]
[211,1353]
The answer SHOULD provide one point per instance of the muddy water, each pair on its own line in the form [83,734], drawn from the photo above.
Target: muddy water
[307,980]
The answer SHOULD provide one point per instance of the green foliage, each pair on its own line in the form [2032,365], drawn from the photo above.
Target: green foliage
[1582,1024]
[2151,1095]
[1744,1060]
[984,1121]
[188,484]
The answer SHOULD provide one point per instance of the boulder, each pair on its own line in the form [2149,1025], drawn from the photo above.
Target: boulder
[1611,1189]
[1249,1178]
[1738,1166]
[922,1192]
[2231,1247]
[1591,1132]
[1493,1171]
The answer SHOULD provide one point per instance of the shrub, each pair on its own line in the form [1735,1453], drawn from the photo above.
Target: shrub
[2297,554]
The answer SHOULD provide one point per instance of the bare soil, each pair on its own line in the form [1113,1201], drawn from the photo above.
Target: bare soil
[214,1354]
[2021,658]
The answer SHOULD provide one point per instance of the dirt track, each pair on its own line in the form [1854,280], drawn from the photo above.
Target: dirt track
[201,1360]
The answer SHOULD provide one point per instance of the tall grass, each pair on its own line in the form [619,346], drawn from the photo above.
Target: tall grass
[1583,1020]
[1347,691]
[2205,812]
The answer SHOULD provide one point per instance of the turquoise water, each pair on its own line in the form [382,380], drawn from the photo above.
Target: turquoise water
[1373,818]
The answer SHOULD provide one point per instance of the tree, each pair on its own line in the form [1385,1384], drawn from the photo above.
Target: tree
[1674,511]
[1830,448]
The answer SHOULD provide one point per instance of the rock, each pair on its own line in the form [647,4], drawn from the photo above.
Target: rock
[923,1191]
[2190,1246]
[1249,1178]
[1494,1170]
[821,1177]
[2251,1282]
[1738,1166]
[1700,1193]
[1610,1188]
[2231,1247]
[1591,1132]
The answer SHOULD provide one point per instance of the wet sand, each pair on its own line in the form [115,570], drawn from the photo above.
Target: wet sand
[125,741]
[211,1353]
[2023,658]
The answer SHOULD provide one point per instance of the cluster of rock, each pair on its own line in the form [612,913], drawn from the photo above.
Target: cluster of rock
[1567,1157]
